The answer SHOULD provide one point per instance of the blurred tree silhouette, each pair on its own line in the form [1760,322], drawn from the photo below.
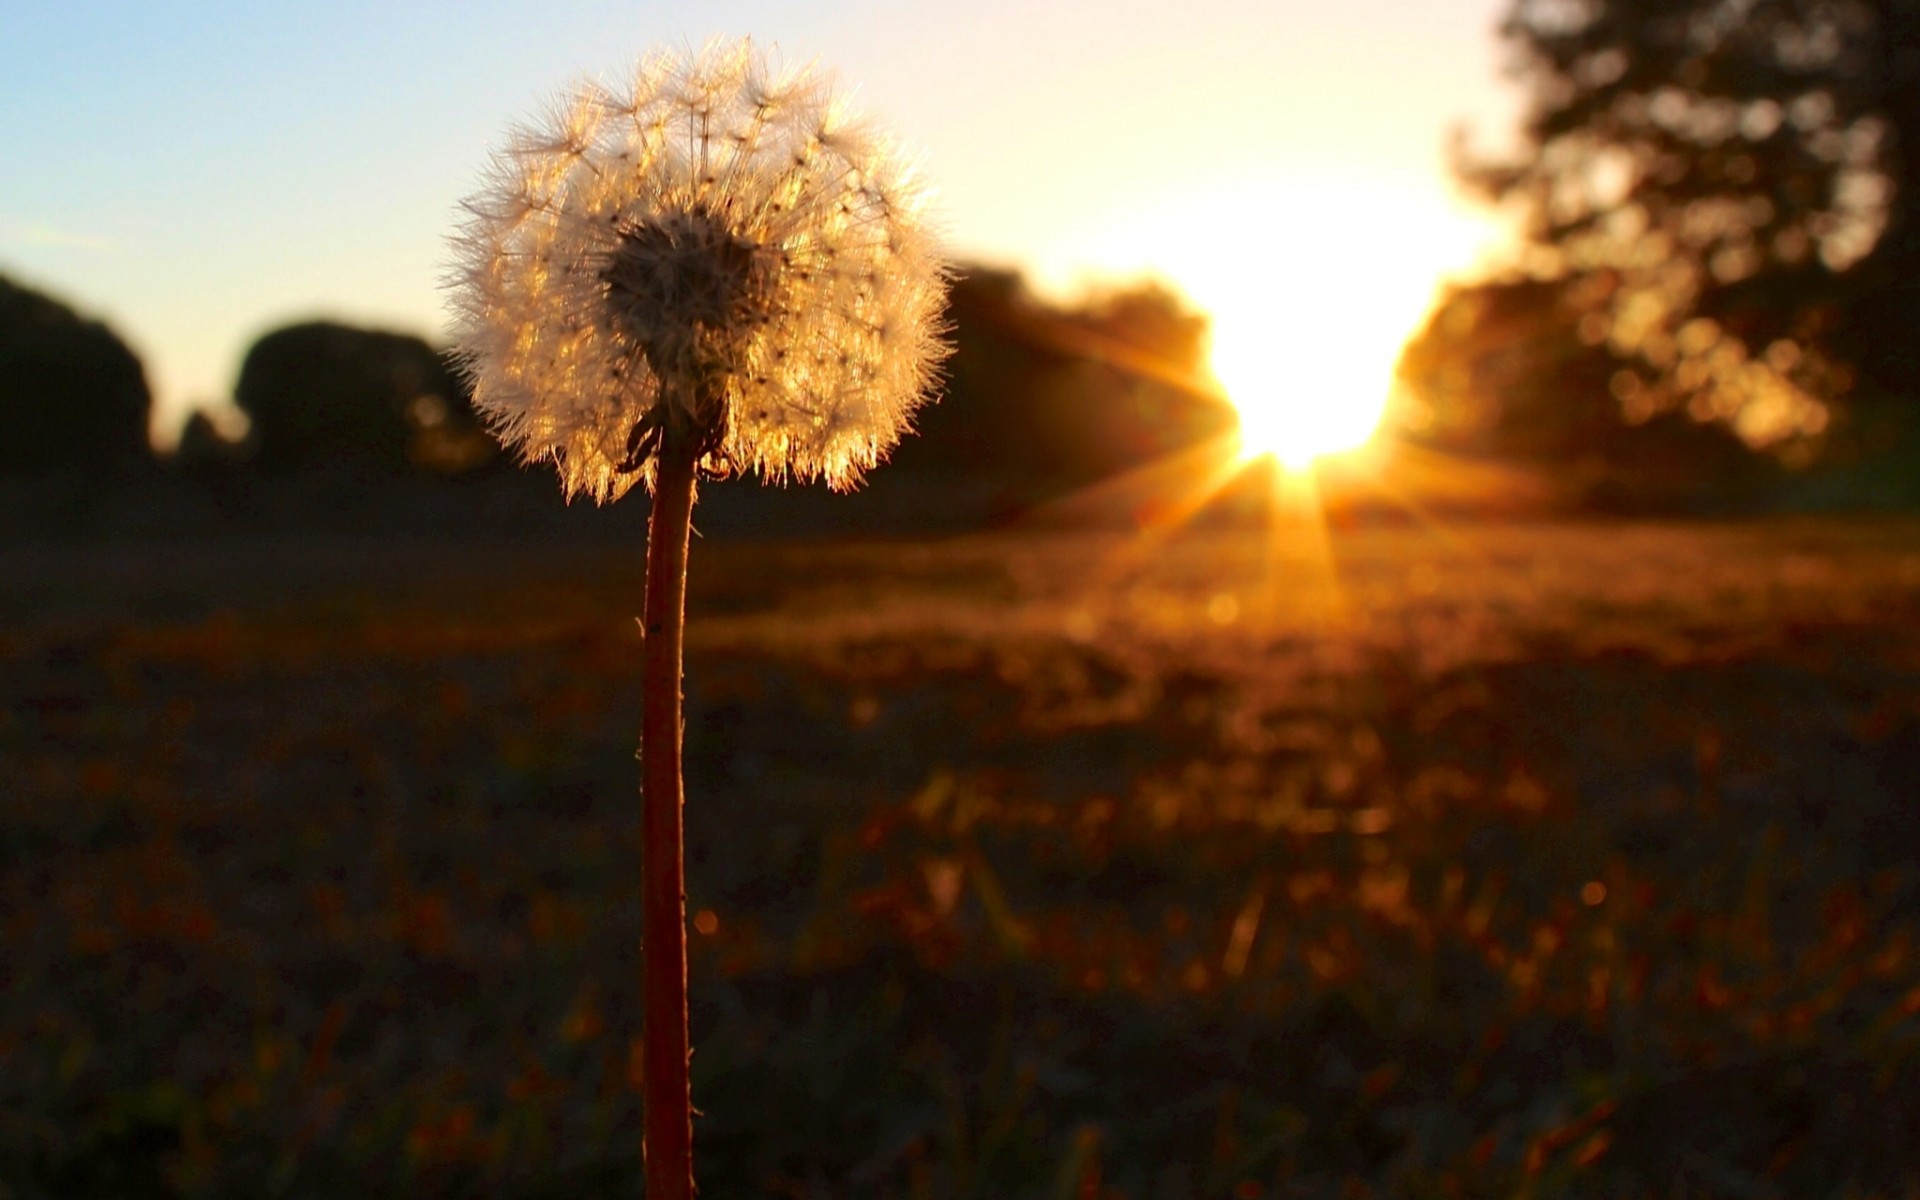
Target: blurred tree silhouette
[322,393]
[204,447]
[72,394]
[1501,370]
[1047,398]
[1730,190]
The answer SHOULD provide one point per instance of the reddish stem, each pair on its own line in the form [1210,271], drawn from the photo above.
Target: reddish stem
[666,1097]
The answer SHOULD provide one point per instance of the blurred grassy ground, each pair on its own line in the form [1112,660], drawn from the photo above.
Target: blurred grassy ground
[1573,860]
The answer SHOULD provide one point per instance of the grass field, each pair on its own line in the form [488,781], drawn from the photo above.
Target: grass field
[1574,860]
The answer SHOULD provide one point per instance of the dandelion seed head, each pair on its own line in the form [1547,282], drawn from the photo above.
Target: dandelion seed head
[712,247]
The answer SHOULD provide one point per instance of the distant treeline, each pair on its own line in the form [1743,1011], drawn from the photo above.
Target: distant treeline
[1518,371]
[1717,307]
[1037,399]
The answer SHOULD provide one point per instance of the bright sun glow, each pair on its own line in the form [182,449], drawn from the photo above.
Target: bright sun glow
[1312,287]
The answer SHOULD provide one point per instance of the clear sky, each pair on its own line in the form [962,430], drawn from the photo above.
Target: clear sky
[201,171]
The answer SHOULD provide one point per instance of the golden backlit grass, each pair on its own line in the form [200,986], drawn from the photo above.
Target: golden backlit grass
[1569,860]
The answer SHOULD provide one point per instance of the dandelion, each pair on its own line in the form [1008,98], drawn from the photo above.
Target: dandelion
[719,256]
[717,270]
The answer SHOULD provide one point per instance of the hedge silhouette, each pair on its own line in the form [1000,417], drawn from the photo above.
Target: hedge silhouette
[1050,398]
[72,395]
[322,393]
[1500,371]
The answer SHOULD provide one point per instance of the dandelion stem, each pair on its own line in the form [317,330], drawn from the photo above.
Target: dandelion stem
[666,1097]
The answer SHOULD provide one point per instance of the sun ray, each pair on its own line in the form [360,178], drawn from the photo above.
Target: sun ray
[1311,283]
[1156,499]
[1308,307]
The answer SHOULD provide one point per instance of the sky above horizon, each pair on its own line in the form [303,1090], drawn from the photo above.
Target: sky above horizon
[197,174]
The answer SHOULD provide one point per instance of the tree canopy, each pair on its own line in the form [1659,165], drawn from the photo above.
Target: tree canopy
[1053,397]
[1730,192]
[1500,370]
[72,395]
[320,393]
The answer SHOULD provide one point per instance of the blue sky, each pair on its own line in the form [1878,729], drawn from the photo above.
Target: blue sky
[198,173]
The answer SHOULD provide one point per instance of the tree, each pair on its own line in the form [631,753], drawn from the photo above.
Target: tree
[1501,370]
[1730,190]
[1048,398]
[204,446]
[72,395]
[327,393]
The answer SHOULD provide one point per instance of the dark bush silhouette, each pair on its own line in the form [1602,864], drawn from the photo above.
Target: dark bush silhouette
[1046,398]
[1500,370]
[72,395]
[322,393]
[203,447]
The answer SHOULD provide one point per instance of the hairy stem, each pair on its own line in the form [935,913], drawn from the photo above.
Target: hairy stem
[666,1098]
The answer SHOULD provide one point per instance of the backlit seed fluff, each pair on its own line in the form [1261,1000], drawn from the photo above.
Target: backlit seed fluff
[717,249]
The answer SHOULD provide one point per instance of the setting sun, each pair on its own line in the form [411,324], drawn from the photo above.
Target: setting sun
[1307,378]
[1311,287]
